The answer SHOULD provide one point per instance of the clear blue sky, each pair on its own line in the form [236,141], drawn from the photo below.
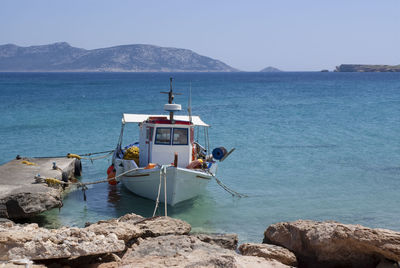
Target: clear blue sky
[249,35]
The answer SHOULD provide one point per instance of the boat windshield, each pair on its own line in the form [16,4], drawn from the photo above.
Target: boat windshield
[180,136]
[163,136]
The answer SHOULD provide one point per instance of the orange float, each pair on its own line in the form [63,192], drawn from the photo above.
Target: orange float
[111,172]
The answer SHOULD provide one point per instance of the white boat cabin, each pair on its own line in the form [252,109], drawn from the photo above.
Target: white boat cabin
[160,138]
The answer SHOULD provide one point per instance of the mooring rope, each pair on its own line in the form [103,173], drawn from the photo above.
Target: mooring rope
[158,196]
[78,184]
[226,188]
[89,154]
[163,172]
[78,156]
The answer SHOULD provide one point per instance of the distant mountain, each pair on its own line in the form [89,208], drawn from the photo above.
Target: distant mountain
[270,70]
[367,68]
[128,58]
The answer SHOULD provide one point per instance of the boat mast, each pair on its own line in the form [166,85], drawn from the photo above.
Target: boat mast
[171,97]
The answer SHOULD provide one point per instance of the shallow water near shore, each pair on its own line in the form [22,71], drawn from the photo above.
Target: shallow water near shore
[320,146]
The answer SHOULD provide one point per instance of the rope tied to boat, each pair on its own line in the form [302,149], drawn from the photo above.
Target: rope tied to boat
[226,188]
[78,184]
[84,185]
[79,157]
[163,173]
[85,156]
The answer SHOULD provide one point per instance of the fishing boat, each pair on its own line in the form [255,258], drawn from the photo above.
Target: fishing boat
[168,163]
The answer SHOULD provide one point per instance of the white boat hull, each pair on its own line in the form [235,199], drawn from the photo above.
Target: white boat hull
[182,183]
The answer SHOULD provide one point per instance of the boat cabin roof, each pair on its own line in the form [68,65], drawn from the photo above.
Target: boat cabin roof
[139,118]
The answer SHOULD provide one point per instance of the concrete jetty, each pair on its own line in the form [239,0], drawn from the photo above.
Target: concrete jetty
[21,196]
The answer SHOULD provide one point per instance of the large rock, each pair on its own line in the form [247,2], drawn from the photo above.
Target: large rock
[34,243]
[132,226]
[187,251]
[21,196]
[25,202]
[332,244]
[269,252]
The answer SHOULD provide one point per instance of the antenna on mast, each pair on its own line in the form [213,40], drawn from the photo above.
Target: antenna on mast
[190,103]
[170,94]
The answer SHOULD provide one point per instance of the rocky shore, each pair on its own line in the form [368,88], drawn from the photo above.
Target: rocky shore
[134,241]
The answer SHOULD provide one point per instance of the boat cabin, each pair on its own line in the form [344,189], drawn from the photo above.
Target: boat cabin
[160,138]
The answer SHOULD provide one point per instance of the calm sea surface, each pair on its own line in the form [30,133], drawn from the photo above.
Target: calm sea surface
[320,146]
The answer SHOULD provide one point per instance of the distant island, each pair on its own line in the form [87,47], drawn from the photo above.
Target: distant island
[367,68]
[270,70]
[62,57]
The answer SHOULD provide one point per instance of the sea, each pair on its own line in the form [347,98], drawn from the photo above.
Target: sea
[308,145]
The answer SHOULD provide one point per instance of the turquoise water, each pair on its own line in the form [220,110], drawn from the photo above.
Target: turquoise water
[320,146]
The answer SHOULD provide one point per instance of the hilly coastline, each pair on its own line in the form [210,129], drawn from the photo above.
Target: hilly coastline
[62,57]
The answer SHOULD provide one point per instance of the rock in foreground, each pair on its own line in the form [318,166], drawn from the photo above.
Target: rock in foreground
[332,244]
[269,252]
[134,241]
[188,251]
[34,243]
[129,241]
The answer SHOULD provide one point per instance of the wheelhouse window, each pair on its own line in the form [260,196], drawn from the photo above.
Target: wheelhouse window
[163,136]
[180,136]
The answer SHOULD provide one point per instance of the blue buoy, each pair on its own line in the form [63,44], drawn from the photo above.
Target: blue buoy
[219,153]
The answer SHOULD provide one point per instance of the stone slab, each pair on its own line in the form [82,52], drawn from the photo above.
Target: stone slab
[21,196]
